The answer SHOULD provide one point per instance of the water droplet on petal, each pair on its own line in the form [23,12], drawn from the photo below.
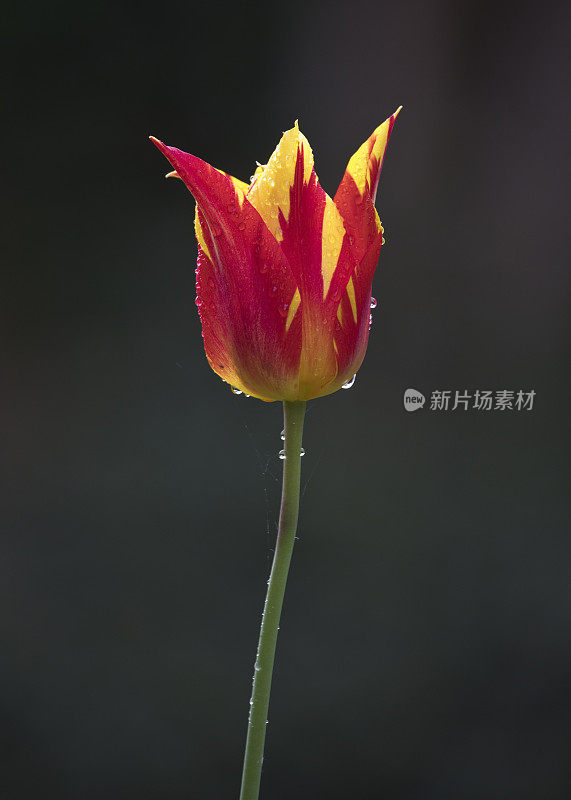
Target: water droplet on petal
[373,302]
[282,454]
[282,435]
[348,384]
[236,391]
[302,452]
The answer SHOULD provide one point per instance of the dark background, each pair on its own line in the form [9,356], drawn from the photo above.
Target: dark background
[425,645]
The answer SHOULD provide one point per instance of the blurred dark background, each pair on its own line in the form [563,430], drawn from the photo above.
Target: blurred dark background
[425,646]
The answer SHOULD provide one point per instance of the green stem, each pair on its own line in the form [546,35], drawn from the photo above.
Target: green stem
[252,772]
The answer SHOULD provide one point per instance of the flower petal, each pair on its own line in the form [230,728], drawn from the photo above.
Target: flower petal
[355,197]
[271,186]
[245,286]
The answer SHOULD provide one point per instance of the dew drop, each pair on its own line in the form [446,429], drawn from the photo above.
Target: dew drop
[348,384]
[236,391]
[301,452]
[373,303]
[282,435]
[283,309]
[282,454]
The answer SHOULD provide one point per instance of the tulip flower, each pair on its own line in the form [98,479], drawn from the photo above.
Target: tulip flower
[285,272]
[283,291]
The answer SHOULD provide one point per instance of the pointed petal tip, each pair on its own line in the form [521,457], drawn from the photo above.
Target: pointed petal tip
[159,145]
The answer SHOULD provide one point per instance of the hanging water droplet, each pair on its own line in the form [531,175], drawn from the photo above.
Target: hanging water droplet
[282,435]
[282,454]
[302,452]
[348,384]
[373,303]
[257,667]
[236,391]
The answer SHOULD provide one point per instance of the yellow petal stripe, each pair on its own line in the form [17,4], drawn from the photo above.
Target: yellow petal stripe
[270,188]
[332,240]
[352,299]
[200,234]
[293,306]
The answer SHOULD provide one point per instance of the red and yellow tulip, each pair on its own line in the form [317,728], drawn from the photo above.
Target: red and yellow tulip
[284,272]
